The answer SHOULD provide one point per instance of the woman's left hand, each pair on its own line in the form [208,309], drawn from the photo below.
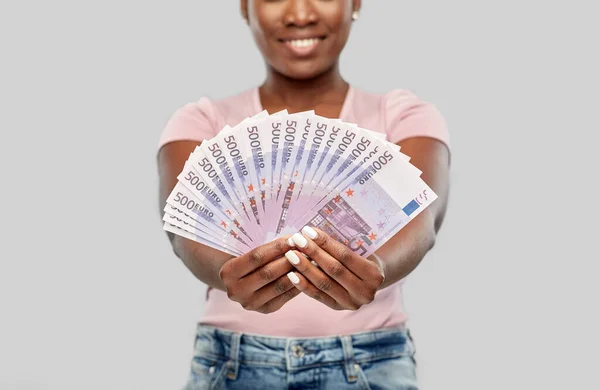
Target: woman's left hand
[343,280]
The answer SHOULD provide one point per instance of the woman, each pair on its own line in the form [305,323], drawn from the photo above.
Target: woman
[265,327]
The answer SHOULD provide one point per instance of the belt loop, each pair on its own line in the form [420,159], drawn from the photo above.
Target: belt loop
[234,356]
[349,364]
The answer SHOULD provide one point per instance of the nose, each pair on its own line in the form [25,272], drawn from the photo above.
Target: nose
[300,13]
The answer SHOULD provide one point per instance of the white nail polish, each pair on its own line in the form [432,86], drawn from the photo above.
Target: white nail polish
[293,277]
[291,242]
[299,240]
[310,232]
[292,257]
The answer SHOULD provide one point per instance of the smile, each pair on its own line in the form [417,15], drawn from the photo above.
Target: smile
[303,46]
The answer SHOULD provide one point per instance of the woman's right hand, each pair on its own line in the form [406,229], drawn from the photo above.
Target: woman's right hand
[258,279]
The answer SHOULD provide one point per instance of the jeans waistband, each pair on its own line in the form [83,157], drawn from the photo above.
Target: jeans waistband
[299,353]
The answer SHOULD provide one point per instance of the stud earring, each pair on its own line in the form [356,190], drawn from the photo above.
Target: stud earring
[355,15]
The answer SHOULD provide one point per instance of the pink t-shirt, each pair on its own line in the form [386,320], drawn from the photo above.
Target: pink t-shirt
[399,114]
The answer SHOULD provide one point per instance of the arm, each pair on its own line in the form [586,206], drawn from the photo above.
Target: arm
[203,261]
[402,253]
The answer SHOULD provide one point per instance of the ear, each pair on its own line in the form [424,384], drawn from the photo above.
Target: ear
[356,4]
[244,9]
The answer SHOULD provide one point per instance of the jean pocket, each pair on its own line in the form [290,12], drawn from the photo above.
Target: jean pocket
[396,373]
[206,372]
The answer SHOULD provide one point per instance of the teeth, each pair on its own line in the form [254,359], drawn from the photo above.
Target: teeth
[304,42]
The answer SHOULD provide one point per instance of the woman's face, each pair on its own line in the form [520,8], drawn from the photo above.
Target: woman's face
[300,38]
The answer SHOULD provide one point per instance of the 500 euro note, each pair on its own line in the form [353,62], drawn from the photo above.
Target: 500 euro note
[174,222]
[208,217]
[349,215]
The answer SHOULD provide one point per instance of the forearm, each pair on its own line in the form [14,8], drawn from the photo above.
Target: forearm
[203,261]
[401,254]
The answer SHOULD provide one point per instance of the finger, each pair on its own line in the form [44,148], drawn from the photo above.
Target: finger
[318,278]
[269,292]
[303,285]
[255,258]
[280,300]
[330,265]
[364,269]
[265,274]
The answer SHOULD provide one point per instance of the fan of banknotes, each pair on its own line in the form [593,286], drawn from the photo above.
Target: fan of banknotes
[273,174]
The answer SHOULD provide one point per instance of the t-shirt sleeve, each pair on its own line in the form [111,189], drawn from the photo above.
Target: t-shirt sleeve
[408,116]
[191,122]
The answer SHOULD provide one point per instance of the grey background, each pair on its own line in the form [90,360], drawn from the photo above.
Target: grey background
[91,295]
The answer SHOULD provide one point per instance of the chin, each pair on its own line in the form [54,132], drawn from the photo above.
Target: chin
[306,71]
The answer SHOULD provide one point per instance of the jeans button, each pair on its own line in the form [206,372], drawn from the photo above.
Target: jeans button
[298,351]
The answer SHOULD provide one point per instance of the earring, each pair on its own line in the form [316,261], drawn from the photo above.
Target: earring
[355,15]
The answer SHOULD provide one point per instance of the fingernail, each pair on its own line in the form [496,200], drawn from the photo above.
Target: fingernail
[291,242]
[310,232]
[293,277]
[292,257]
[299,240]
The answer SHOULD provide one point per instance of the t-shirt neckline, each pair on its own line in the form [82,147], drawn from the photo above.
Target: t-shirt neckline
[345,105]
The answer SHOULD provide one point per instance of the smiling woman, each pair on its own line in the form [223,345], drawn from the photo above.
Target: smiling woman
[273,319]
[300,39]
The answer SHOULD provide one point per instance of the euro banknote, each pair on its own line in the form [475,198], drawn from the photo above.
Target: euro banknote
[272,174]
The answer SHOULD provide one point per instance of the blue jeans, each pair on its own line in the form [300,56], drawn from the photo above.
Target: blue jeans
[381,359]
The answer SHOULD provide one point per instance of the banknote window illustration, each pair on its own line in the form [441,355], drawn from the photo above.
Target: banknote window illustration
[341,221]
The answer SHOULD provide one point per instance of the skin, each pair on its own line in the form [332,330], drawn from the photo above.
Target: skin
[258,280]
